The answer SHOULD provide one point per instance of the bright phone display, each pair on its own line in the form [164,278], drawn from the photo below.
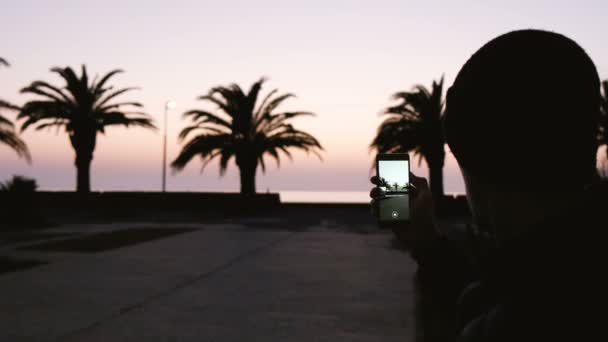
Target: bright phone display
[393,171]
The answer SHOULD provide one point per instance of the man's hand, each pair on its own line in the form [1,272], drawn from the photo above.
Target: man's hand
[420,231]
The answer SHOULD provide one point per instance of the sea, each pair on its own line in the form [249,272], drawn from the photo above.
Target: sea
[303,196]
[324,196]
[329,196]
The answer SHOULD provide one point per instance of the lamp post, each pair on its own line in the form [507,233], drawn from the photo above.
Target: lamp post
[168,105]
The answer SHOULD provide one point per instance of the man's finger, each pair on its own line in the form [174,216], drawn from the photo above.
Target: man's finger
[374,180]
[373,192]
[376,192]
[373,207]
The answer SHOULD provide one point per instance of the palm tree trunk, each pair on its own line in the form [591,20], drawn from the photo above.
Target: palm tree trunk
[436,176]
[436,181]
[83,172]
[248,179]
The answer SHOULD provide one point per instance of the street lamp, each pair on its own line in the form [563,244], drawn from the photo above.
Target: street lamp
[168,105]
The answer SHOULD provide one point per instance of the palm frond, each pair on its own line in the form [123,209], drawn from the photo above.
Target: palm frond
[84,78]
[57,123]
[227,154]
[602,135]
[209,158]
[397,135]
[118,105]
[72,81]
[254,91]
[203,145]
[272,105]
[250,132]
[201,128]
[35,111]
[9,137]
[103,101]
[218,102]
[260,161]
[98,87]
[125,119]
[270,122]
[5,122]
[233,97]
[301,140]
[203,117]
[7,105]
[604,99]
[44,88]
[414,124]
[262,105]
[291,137]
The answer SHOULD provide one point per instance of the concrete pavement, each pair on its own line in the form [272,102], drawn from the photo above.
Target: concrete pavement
[220,282]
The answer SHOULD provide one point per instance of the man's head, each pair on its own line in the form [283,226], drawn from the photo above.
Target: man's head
[522,116]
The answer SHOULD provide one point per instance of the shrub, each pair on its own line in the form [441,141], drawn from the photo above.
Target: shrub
[18,205]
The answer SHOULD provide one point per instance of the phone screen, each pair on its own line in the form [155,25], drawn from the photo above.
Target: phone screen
[393,179]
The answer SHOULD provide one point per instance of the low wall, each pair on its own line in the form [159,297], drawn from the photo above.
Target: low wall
[450,206]
[155,200]
[67,207]
[70,206]
[454,206]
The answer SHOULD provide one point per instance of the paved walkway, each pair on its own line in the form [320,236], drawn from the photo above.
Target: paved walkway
[217,283]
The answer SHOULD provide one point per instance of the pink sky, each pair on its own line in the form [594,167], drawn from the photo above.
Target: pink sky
[343,59]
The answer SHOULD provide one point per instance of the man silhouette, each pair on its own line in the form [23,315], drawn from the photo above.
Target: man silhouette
[521,121]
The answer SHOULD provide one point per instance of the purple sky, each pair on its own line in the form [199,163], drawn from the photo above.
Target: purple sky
[342,58]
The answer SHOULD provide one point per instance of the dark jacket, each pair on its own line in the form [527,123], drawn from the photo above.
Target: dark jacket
[544,286]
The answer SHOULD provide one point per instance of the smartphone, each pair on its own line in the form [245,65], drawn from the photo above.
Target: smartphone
[393,171]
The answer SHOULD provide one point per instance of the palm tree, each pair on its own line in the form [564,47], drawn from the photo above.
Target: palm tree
[84,109]
[414,124]
[603,135]
[8,135]
[244,131]
[383,183]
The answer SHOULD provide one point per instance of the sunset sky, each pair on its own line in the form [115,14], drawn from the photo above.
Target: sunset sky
[343,60]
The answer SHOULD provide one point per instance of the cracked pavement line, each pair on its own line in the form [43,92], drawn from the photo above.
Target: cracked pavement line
[129,308]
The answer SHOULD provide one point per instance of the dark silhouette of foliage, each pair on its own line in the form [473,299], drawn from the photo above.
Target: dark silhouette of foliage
[8,135]
[19,184]
[602,137]
[243,130]
[603,134]
[396,186]
[383,183]
[414,125]
[18,201]
[83,108]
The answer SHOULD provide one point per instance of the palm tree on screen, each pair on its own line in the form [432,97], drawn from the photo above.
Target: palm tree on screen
[414,125]
[245,130]
[8,135]
[383,183]
[83,108]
